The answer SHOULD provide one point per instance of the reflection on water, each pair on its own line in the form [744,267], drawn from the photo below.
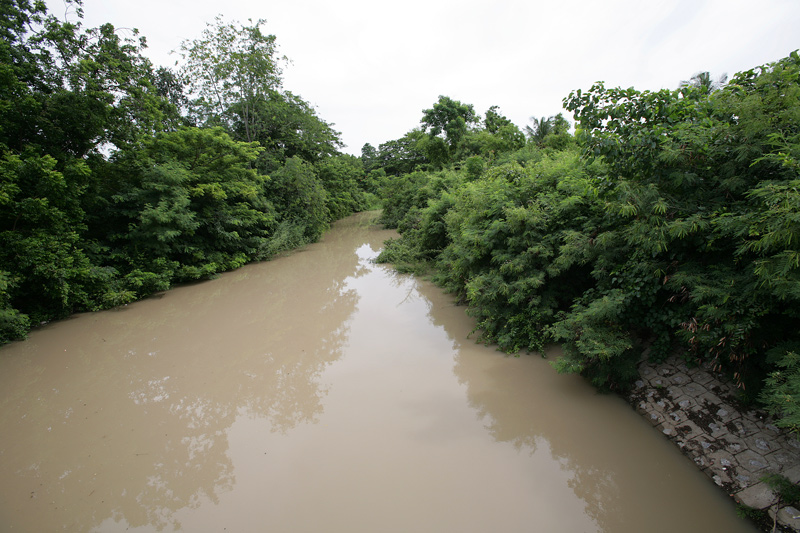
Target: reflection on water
[320,392]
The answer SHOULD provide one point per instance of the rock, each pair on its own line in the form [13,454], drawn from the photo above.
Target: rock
[758,496]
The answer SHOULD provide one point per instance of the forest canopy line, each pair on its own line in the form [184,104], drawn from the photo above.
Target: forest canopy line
[670,219]
[119,179]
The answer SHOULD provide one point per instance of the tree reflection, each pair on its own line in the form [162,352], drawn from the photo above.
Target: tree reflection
[124,415]
[616,464]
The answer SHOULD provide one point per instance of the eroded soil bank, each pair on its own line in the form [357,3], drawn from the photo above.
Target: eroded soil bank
[322,392]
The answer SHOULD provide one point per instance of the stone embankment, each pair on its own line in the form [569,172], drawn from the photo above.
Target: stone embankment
[736,448]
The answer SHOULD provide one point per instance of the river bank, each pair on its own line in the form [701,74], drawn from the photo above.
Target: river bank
[696,409]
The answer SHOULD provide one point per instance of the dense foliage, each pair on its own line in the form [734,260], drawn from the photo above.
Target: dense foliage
[671,218]
[118,179]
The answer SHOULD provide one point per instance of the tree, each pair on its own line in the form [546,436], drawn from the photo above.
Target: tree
[231,65]
[340,176]
[369,157]
[70,92]
[704,82]
[190,198]
[403,155]
[449,118]
[493,121]
[288,126]
[233,72]
[539,129]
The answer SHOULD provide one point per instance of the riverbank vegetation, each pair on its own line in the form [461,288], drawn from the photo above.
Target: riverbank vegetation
[669,218]
[119,179]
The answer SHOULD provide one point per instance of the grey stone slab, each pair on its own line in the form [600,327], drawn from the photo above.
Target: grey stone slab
[711,401]
[679,379]
[708,444]
[723,479]
[700,376]
[646,371]
[696,410]
[685,402]
[742,427]
[688,430]
[751,460]
[725,413]
[732,443]
[744,478]
[792,473]
[665,369]
[667,429]
[659,382]
[676,416]
[761,443]
[722,459]
[675,391]
[694,389]
[664,405]
[706,421]
[758,496]
[791,442]
[789,516]
[654,417]
[717,430]
[782,460]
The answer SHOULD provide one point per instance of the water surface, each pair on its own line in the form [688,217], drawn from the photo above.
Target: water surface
[321,392]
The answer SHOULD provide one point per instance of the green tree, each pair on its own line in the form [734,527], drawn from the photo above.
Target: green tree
[231,65]
[233,72]
[493,121]
[66,97]
[288,127]
[704,82]
[302,204]
[190,199]
[369,157]
[403,155]
[448,118]
[340,175]
[539,129]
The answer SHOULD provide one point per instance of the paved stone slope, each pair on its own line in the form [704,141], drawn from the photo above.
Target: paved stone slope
[696,410]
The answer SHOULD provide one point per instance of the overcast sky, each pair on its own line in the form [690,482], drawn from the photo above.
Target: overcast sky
[371,67]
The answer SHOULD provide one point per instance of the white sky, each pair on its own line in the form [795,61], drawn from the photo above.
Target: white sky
[371,67]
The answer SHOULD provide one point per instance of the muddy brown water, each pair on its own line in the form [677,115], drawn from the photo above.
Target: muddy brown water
[320,392]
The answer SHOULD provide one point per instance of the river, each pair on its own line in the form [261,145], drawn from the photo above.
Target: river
[319,392]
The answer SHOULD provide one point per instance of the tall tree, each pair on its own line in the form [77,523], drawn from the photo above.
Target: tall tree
[230,70]
[539,129]
[705,83]
[450,118]
[493,120]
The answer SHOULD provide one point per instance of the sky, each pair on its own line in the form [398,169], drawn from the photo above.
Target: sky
[370,67]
